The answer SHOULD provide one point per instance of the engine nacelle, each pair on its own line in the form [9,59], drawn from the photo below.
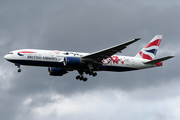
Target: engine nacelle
[54,71]
[72,61]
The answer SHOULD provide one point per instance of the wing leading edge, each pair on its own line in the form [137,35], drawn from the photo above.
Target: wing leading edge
[108,52]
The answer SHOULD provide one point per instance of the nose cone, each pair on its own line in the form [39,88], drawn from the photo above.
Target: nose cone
[6,57]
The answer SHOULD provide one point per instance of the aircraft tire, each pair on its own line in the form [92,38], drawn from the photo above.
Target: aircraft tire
[81,78]
[94,74]
[78,77]
[19,70]
[85,79]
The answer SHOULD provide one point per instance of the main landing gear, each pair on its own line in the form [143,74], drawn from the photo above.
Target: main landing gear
[81,76]
[92,73]
[19,68]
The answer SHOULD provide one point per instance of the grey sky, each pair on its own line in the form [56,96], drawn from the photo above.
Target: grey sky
[89,26]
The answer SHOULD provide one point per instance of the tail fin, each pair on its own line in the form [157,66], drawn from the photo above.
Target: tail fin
[150,50]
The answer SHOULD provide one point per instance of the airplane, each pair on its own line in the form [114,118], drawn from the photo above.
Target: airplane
[61,62]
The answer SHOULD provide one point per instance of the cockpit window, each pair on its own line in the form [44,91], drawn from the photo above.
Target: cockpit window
[10,53]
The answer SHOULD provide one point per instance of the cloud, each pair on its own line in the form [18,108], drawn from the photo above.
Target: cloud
[107,104]
[89,26]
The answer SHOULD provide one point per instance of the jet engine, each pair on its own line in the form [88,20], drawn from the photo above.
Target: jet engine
[72,61]
[54,71]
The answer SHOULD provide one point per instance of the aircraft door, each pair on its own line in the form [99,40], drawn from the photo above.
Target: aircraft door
[132,62]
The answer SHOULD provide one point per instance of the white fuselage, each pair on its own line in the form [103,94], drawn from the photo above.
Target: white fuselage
[55,58]
[61,62]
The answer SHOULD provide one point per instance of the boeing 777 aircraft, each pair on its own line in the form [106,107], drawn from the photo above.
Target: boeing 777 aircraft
[61,62]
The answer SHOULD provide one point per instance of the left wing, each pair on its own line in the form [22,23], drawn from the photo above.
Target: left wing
[105,53]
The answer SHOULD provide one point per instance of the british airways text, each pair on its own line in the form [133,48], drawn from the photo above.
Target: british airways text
[42,58]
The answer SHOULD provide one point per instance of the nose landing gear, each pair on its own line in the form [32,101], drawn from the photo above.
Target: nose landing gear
[19,68]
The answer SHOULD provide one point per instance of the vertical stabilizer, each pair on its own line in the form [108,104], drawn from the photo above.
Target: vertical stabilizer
[150,50]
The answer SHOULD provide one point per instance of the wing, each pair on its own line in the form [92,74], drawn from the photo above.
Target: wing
[105,53]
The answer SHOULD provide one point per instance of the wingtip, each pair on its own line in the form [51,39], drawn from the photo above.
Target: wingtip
[171,56]
[137,38]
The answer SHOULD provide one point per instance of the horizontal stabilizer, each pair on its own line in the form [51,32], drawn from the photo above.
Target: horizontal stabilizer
[158,60]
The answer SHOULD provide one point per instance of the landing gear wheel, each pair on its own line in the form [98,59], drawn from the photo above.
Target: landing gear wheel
[19,70]
[77,77]
[85,79]
[81,78]
[94,74]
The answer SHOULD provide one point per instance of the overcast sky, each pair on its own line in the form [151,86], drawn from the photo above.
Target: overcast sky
[89,26]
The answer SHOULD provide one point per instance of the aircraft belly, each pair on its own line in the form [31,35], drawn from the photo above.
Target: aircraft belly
[116,68]
[38,63]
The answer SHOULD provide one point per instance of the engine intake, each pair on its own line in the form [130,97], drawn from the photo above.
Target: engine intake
[72,61]
[54,71]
